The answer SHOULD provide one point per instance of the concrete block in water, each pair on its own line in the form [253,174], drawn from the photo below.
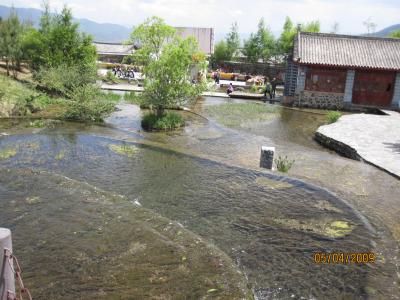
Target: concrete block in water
[7,282]
[267,157]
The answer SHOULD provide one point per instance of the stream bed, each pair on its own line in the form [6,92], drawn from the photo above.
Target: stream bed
[96,212]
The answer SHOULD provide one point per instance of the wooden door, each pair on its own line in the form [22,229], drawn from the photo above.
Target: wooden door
[373,88]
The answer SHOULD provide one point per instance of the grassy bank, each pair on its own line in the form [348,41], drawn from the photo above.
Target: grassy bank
[241,114]
[87,103]
[17,99]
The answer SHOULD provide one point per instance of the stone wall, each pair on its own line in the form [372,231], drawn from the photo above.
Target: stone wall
[321,100]
[337,146]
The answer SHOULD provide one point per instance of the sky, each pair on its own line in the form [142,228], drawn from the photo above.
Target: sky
[220,14]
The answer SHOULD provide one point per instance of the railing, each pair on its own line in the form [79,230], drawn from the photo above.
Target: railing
[10,270]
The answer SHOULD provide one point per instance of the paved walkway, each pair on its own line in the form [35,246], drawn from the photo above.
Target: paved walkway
[376,138]
[134,88]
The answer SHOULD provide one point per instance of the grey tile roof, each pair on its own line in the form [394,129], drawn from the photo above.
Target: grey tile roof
[347,51]
[113,48]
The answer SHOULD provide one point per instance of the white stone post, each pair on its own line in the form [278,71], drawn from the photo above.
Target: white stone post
[267,157]
[7,282]
[348,90]
[396,93]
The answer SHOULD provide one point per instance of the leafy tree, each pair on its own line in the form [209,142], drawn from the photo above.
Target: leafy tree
[232,41]
[11,31]
[220,53]
[58,42]
[260,45]
[169,60]
[226,49]
[285,42]
[151,36]
[395,34]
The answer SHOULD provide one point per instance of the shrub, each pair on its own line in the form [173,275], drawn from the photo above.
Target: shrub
[63,79]
[283,164]
[133,98]
[333,116]
[87,104]
[111,78]
[168,121]
[255,89]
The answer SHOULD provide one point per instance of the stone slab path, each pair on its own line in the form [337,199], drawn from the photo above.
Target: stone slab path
[376,138]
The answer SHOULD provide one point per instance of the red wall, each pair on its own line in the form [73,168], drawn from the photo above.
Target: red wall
[325,80]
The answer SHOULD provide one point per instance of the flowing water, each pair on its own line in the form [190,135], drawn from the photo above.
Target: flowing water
[60,190]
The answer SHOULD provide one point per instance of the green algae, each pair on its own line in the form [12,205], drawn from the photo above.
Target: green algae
[272,184]
[327,228]
[127,150]
[8,153]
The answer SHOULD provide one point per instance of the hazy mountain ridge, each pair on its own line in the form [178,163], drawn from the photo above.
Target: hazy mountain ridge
[101,32]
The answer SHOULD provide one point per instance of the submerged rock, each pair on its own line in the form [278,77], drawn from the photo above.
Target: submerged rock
[8,153]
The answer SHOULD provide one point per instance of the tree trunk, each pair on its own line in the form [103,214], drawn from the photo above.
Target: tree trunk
[8,67]
[160,111]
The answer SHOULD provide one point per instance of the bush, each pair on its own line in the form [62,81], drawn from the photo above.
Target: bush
[283,164]
[256,89]
[168,121]
[63,79]
[133,98]
[88,104]
[333,116]
[111,78]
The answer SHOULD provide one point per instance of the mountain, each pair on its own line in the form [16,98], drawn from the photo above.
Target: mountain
[101,32]
[386,31]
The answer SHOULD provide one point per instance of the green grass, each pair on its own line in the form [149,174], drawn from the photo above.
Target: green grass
[241,114]
[17,99]
[170,121]
[333,116]
[133,98]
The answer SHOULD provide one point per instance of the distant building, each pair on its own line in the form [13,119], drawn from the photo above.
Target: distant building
[334,71]
[115,52]
[204,36]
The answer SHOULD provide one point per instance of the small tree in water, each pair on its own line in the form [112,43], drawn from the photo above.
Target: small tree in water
[168,61]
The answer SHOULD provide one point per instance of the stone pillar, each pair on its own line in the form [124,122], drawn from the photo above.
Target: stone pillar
[348,91]
[396,93]
[7,282]
[301,79]
[267,157]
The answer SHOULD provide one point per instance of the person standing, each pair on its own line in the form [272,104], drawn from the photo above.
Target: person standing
[273,87]
[268,89]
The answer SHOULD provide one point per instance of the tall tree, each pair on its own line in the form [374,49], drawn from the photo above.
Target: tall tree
[260,45]
[370,25]
[11,31]
[232,41]
[59,42]
[151,36]
[285,42]
[221,53]
[169,60]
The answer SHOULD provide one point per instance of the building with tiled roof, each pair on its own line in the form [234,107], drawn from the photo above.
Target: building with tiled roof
[333,71]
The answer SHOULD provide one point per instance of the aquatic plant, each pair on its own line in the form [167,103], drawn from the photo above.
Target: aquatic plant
[333,116]
[37,123]
[168,121]
[124,149]
[7,153]
[283,164]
